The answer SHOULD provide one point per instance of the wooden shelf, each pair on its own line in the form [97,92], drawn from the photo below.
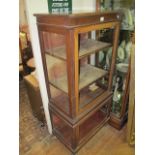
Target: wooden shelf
[88,74]
[58,52]
[91,46]
[87,47]
[61,100]
[86,95]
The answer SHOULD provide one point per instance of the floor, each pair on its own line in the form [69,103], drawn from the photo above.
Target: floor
[35,139]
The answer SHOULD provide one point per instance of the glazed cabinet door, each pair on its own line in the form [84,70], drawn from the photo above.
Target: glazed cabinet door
[94,66]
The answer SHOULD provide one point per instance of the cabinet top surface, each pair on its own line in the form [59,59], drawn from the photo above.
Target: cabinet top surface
[77,19]
[77,14]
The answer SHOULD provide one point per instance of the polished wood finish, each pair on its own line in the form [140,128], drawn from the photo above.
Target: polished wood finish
[98,5]
[131,115]
[118,122]
[68,92]
[75,20]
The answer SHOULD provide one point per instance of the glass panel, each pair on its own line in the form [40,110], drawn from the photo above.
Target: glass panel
[54,44]
[94,64]
[121,73]
[62,129]
[93,82]
[94,121]
[60,99]
[57,73]
[119,92]
[55,55]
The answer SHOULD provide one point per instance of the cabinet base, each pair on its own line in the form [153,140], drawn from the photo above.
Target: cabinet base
[116,122]
[85,139]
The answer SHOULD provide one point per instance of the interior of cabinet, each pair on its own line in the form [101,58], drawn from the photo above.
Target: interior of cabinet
[87,47]
[63,129]
[59,99]
[90,77]
[88,74]
[87,95]
[93,80]
[85,128]
[93,122]
[121,67]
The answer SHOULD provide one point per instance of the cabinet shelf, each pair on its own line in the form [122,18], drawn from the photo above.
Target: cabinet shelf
[88,74]
[87,47]
[86,95]
[58,52]
[91,46]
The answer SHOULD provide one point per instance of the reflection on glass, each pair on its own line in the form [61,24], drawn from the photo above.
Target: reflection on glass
[119,79]
[55,55]
[93,82]
[117,97]
[91,123]
[54,44]
[62,128]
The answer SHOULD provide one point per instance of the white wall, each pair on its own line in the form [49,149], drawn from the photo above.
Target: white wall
[41,6]
[83,5]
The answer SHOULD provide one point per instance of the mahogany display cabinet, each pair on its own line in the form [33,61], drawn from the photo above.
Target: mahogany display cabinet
[79,92]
